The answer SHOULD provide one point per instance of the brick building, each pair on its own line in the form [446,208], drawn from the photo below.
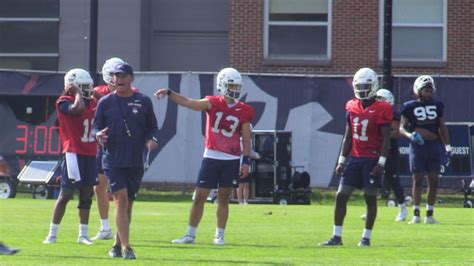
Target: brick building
[255,36]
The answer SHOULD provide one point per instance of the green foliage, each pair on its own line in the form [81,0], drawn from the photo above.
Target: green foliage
[256,234]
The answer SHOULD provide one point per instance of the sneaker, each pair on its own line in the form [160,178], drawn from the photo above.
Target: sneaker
[402,215]
[84,240]
[431,220]
[184,240]
[364,242]
[415,220]
[128,254]
[334,241]
[218,240]
[115,252]
[103,234]
[50,240]
[4,250]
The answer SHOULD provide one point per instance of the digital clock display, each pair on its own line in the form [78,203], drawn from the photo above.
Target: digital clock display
[37,140]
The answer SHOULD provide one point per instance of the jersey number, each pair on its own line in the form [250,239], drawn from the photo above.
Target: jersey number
[425,112]
[365,123]
[86,137]
[233,126]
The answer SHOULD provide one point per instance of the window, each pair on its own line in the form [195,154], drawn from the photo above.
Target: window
[29,30]
[297,30]
[419,31]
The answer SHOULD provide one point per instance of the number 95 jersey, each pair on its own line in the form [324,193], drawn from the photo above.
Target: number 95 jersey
[224,124]
[365,124]
[423,114]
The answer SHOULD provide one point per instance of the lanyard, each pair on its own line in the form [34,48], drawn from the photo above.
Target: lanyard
[124,113]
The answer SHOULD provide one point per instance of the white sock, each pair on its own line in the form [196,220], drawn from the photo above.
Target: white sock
[104,225]
[337,230]
[367,233]
[220,232]
[82,230]
[191,231]
[429,207]
[402,206]
[53,230]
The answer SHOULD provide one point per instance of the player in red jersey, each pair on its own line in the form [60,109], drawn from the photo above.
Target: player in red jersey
[76,109]
[227,119]
[367,139]
[100,189]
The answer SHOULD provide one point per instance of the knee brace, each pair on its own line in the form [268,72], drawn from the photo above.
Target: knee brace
[84,204]
[345,190]
[371,191]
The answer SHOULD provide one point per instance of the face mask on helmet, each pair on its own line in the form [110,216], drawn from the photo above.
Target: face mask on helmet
[422,82]
[109,65]
[365,84]
[81,79]
[386,96]
[229,83]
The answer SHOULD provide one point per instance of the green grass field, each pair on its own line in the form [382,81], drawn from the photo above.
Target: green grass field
[256,234]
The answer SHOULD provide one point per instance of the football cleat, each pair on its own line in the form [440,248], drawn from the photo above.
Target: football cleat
[402,215]
[115,252]
[4,250]
[364,242]
[218,240]
[415,220]
[128,254]
[50,240]
[187,239]
[84,240]
[334,241]
[103,234]
[431,220]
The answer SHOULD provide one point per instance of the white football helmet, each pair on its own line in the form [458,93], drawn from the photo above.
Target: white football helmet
[365,83]
[108,66]
[423,81]
[229,76]
[386,96]
[81,79]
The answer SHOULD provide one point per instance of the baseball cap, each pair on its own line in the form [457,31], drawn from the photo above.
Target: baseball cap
[123,68]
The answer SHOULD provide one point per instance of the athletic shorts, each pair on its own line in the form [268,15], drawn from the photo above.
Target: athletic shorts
[426,157]
[86,166]
[129,178]
[218,173]
[357,173]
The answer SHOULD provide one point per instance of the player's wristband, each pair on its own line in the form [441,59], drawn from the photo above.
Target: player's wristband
[246,160]
[382,160]
[169,92]
[448,148]
[341,160]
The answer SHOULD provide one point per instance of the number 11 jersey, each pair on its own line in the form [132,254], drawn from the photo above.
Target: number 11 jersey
[365,125]
[224,125]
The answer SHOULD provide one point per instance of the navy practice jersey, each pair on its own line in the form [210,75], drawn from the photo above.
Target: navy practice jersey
[131,123]
[424,115]
[396,117]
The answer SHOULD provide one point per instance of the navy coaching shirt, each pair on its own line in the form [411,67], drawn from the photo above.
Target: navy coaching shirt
[131,122]
[424,115]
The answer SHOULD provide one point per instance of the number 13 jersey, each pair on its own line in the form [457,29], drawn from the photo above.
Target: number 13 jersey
[224,124]
[365,125]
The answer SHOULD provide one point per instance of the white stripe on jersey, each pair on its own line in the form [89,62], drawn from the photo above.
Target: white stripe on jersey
[218,155]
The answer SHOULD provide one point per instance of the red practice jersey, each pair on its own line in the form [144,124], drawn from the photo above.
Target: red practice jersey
[365,124]
[75,130]
[224,124]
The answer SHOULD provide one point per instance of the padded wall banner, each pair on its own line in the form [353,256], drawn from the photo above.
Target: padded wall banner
[311,107]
